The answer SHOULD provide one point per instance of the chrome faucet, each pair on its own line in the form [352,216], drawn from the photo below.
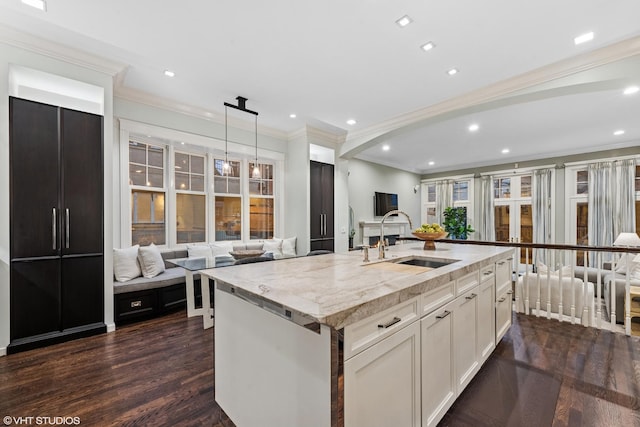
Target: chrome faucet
[381,241]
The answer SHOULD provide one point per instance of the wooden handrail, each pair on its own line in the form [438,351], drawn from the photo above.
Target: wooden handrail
[537,245]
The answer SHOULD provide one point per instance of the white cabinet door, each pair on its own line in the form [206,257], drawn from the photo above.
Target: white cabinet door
[486,319]
[438,375]
[382,384]
[465,313]
[503,314]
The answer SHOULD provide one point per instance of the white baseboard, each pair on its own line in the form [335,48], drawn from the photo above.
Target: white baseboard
[111,327]
[3,351]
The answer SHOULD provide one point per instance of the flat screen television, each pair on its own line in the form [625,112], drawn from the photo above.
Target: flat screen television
[384,202]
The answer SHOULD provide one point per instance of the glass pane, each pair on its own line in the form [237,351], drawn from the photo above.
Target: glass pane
[267,188]
[582,182]
[260,218]
[228,218]
[197,183]
[156,157]
[137,175]
[220,184]
[191,218]
[147,218]
[154,178]
[182,181]
[431,193]
[525,186]
[526,230]
[137,153]
[582,229]
[234,185]
[431,215]
[197,164]
[502,223]
[182,162]
[505,188]
[254,187]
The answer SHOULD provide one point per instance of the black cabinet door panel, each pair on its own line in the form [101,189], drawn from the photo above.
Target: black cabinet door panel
[315,200]
[82,178]
[34,179]
[82,293]
[327,199]
[35,297]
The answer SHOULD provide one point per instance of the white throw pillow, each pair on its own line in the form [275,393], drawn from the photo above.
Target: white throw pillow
[288,246]
[221,248]
[151,261]
[566,270]
[274,246]
[255,246]
[125,263]
[199,251]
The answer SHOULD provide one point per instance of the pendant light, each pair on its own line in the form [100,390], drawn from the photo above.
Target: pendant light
[256,169]
[242,107]
[226,168]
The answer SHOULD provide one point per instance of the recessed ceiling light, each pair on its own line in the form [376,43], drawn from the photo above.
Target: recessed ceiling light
[505,150]
[404,21]
[182,143]
[431,163]
[619,132]
[427,46]
[351,122]
[452,71]
[38,4]
[631,89]
[292,116]
[586,37]
[385,147]
[169,73]
[473,127]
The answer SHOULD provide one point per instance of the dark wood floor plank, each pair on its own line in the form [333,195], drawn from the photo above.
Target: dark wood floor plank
[161,373]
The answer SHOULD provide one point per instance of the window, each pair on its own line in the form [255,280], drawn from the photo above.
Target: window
[502,188]
[261,219]
[226,181]
[460,191]
[431,194]
[146,177]
[582,182]
[525,186]
[228,217]
[191,217]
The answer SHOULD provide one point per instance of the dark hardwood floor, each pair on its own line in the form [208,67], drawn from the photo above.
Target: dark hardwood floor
[160,373]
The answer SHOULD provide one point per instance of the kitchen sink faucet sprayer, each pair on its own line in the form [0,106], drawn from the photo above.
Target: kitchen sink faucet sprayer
[381,241]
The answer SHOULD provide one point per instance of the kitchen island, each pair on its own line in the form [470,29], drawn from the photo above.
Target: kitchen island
[318,341]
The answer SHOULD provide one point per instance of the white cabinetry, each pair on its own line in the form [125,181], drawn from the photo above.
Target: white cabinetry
[486,314]
[382,383]
[465,337]
[438,374]
[503,297]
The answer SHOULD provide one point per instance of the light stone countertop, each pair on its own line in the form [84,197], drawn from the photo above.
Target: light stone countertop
[339,289]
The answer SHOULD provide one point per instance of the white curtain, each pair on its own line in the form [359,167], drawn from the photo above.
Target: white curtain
[487,227]
[444,198]
[624,210]
[541,211]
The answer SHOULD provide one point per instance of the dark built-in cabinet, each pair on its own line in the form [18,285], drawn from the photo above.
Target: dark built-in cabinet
[321,194]
[56,222]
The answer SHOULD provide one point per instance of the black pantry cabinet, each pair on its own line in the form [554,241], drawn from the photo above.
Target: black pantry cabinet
[56,223]
[321,195]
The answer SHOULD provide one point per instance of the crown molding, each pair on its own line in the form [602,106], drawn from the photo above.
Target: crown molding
[362,139]
[19,39]
[140,97]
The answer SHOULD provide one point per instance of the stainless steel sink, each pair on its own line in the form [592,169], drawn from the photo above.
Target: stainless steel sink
[425,262]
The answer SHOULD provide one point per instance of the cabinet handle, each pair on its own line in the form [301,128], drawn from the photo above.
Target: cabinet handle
[392,322]
[501,299]
[486,273]
[443,315]
[67,227]
[324,224]
[509,292]
[54,228]
[501,262]
[472,296]
[136,304]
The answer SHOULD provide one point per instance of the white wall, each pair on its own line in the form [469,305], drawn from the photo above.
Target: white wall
[21,57]
[365,178]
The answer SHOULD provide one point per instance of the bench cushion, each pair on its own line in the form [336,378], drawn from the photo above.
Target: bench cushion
[171,276]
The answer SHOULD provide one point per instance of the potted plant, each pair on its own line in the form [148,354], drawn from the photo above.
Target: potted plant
[455,222]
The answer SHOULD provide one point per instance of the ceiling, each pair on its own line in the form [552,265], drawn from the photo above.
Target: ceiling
[521,78]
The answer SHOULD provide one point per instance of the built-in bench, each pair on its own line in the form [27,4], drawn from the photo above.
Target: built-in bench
[142,297]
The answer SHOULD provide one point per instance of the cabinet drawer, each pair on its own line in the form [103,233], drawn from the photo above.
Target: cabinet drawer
[438,297]
[135,304]
[503,272]
[467,282]
[487,273]
[366,332]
